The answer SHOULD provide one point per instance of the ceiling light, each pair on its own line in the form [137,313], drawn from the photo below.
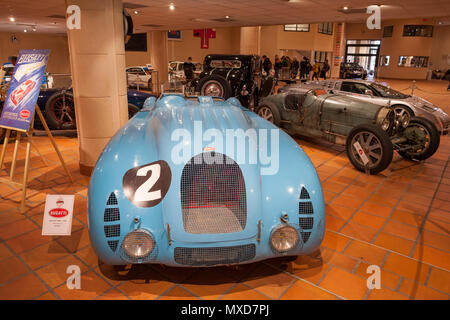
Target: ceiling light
[172,6]
[25,30]
[227,17]
[345,8]
[136,12]
[12,19]
[34,28]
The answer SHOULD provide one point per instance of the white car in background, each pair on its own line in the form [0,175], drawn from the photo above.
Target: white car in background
[176,70]
[140,76]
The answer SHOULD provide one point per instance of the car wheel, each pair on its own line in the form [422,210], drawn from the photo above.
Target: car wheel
[215,86]
[269,113]
[60,111]
[422,133]
[132,110]
[376,145]
[150,85]
[401,110]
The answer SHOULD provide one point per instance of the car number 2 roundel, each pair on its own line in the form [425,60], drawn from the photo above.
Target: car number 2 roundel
[146,186]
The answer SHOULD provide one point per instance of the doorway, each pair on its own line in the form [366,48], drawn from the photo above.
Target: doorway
[365,53]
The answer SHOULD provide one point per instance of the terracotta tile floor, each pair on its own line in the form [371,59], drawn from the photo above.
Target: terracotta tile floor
[399,220]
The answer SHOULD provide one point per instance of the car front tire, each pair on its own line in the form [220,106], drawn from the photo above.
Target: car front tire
[376,144]
[429,132]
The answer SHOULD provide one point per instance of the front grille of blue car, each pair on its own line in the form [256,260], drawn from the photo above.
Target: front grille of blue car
[207,257]
[111,217]
[306,212]
[213,197]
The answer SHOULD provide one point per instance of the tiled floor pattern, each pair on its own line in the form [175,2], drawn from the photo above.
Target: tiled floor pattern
[398,220]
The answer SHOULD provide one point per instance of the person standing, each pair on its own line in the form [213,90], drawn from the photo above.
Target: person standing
[303,66]
[316,70]
[189,69]
[267,65]
[278,66]
[294,68]
[325,69]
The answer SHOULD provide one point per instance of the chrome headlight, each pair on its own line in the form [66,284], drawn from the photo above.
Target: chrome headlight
[138,243]
[385,124]
[404,121]
[284,238]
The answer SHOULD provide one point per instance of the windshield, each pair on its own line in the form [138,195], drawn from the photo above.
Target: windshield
[388,92]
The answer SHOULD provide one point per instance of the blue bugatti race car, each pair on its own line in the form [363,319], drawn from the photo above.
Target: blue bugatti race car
[201,182]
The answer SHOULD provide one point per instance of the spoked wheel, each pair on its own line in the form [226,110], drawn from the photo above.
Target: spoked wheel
[132,110]
[376,147]
[423,137]
[212,88]
[60,111]
[269,113]
[401,110]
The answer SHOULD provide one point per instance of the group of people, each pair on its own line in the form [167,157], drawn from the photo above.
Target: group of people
[294,66]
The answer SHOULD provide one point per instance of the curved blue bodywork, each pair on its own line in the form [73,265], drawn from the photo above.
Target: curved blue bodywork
[284,190]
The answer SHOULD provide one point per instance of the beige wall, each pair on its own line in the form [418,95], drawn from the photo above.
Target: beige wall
[441,48]
[59,50]
[397,45]
[359,31]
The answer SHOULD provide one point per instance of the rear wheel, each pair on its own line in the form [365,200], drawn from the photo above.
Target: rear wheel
[423,136]
[376,148]
[60,111]
[269,113]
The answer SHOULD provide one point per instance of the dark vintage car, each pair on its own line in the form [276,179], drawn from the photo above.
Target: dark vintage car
[57,107]
[351,70]
[233,76]
[369,131]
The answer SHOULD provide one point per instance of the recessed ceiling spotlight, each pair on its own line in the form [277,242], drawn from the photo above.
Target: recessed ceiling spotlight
[25,30]
[12,19]
[172,6]
[34,28]
[227,17]
[136,12]
[345,8]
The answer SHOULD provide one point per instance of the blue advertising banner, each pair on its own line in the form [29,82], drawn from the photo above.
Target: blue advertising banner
[18,110]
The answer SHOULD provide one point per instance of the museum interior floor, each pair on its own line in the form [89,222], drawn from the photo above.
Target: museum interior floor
[398,220]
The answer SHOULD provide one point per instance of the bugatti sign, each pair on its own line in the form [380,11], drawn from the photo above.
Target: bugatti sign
[58,215]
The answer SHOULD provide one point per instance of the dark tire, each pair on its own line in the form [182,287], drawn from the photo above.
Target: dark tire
[270,113]
[214,85]
[428,136]
[2,135]
[60,111]
[376,144]
[132,110]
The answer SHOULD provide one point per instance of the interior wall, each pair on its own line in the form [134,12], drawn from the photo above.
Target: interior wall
[59,50]
[440,52]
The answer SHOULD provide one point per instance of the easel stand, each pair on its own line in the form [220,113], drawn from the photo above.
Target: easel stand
[29,135]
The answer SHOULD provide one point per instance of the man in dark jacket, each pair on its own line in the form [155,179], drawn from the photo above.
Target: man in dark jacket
[267,65]
[189,69]
[294,68]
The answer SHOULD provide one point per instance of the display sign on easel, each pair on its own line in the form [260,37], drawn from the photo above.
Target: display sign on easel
[18,112]
[58,215]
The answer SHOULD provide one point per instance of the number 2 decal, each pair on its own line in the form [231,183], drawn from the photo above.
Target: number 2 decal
[147,185]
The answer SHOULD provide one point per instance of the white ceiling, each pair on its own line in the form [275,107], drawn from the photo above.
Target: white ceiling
[190,14]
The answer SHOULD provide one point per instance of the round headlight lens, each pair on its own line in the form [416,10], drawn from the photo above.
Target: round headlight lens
[284,239]
[405,120]
[385,124]
[138,244]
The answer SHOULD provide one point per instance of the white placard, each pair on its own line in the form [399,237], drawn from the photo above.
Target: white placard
[58,215]
[361,153]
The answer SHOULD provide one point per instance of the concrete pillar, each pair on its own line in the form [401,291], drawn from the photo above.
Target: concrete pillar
[338,49]
[159,56]
[97,58]
[250,42]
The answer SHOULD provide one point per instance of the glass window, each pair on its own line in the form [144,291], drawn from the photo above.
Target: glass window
[297,27]
[325,28]
[413,61]
[417,31]
[224,64]
[384,61]
[387,31]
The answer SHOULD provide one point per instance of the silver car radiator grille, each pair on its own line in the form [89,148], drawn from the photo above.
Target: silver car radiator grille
[213,196]
[207,257]
[305,211]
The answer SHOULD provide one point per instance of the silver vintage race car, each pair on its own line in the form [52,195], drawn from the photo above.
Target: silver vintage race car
[382,95]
